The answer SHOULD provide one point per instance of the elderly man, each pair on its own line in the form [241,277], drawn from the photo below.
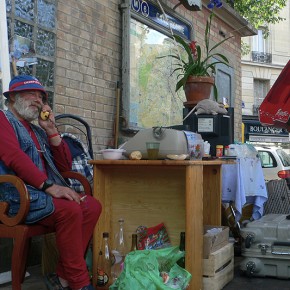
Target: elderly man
[37,154]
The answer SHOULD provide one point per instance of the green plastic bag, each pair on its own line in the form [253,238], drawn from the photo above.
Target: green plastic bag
[143,268]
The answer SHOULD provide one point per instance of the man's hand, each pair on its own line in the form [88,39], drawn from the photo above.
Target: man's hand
[58,191]
[48,124]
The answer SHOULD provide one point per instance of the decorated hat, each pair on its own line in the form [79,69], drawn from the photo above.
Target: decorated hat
[24,83]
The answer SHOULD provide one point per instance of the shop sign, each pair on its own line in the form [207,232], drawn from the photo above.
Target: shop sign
[256,129]
[153,12]
[268,139]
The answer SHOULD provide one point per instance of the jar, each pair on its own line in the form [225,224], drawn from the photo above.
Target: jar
[219,150]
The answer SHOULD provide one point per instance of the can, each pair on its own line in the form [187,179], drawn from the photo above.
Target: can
[219,150]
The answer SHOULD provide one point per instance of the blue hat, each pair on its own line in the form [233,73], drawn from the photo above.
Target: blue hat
[24,83]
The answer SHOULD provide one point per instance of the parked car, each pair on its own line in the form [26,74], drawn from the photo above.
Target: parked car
[275,163]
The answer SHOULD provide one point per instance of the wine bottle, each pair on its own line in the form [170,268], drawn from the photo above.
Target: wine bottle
[181,261]
[134,243]
[104,263]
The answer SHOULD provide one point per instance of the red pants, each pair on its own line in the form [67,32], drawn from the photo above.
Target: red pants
[74,224]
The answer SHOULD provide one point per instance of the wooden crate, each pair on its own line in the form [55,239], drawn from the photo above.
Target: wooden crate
[218,269]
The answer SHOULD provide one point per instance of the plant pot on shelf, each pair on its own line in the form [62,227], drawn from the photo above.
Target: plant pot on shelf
[197,89]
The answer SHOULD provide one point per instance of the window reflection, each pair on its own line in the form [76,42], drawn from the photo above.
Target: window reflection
[46,14]
[23,29]
[24,9]
[45,44]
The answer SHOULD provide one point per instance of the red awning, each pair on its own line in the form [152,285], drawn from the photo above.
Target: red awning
[275,109]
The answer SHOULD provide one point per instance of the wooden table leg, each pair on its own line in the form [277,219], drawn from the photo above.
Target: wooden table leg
[212,190]
[194,224]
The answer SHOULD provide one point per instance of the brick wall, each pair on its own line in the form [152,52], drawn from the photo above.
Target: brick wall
[88,61]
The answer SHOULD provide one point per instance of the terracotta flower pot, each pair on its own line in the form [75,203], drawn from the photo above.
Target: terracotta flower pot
[197,89]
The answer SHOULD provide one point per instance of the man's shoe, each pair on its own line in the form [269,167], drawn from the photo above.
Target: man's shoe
[52,283]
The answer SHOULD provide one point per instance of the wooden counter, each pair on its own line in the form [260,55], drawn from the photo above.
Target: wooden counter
[184,195]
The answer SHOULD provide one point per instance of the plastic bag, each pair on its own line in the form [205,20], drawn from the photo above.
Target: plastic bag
[143,269]
[152,238]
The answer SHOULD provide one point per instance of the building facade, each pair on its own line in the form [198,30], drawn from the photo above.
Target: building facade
[82,48]
[260,69]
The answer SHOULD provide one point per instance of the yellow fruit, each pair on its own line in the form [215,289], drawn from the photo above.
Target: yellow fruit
[44,115]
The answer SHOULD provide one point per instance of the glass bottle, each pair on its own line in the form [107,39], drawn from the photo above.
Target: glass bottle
[104,263]
[181,261]
[134,243]
[119,251]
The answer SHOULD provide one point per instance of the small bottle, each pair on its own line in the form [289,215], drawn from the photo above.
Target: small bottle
[104,263]
[181,261]
[227,150]
[134,243]
[119,251]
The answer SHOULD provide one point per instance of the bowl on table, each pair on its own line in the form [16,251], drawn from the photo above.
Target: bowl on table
[112,154]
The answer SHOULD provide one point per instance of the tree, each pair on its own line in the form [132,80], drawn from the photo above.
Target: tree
[260,12]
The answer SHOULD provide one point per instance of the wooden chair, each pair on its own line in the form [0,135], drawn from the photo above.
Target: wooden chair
[15,228]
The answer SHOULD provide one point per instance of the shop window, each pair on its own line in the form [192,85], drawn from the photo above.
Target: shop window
[31,27]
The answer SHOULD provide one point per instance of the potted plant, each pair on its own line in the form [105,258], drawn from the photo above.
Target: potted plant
[195,72]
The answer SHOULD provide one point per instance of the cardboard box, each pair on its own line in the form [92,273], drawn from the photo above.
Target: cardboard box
[214,241]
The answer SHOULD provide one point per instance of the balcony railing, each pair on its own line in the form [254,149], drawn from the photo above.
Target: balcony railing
[261,57]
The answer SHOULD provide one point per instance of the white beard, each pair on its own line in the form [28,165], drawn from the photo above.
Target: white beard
[23,108]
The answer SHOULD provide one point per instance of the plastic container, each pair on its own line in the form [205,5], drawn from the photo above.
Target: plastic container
[195,146]
[232,151]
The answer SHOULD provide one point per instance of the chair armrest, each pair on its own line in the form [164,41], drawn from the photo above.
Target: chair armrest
[81,178]
[24,196]
[24,202]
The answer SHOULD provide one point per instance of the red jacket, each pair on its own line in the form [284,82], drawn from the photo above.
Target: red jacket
[20,163]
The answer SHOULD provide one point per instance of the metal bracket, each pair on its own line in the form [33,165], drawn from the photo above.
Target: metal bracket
[263,248]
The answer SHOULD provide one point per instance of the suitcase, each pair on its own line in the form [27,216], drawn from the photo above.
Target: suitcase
[266,247]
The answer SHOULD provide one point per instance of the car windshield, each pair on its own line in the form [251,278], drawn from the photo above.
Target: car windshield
[284,157]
